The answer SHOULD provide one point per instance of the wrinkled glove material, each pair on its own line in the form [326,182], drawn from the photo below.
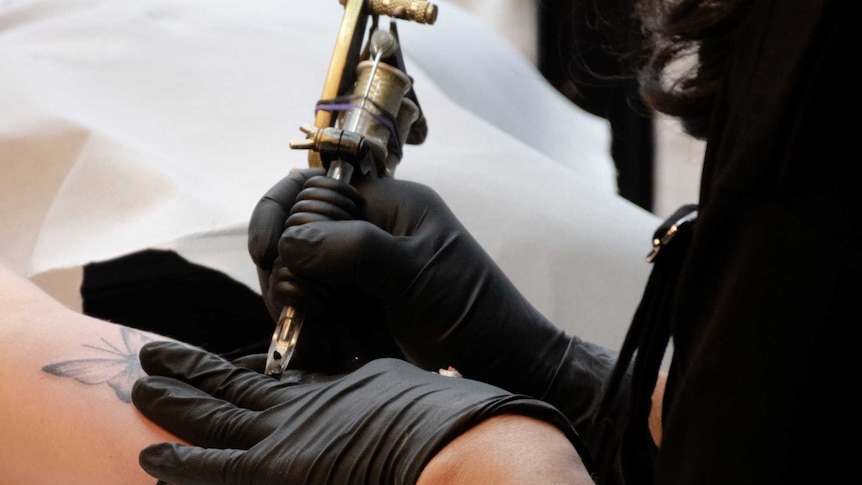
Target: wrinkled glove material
[380,424]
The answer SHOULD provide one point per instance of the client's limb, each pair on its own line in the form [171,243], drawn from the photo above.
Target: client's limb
[508,449]
[65,378]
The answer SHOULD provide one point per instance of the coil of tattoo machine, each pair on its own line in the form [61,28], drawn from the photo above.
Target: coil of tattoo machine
[367,113]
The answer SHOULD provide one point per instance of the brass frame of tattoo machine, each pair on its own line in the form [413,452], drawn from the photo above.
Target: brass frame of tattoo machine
[367,112]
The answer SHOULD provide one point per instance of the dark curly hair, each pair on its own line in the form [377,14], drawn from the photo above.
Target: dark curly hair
[687,44]
[674,53]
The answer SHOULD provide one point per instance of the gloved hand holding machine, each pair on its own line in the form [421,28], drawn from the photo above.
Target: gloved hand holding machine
[367,112]
[372,261]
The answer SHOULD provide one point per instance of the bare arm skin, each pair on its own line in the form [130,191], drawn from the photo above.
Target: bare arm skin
[493,452]
[507,450]
[655,411]
[65,378]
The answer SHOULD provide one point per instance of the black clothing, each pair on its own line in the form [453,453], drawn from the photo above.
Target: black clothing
[770,289]
[768,282]
[161,292]
[575,55]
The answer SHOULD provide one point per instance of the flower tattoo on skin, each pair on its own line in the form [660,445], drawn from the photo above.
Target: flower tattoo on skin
[119,370]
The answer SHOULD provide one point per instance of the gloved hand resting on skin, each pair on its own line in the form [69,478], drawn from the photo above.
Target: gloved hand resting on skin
[442,297]
[380,424]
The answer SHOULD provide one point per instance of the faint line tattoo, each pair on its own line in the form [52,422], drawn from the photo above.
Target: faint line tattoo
[120,371]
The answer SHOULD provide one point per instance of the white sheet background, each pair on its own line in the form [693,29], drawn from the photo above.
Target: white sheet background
[159,123]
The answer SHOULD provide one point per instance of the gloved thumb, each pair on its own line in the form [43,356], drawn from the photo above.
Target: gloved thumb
[191,465]
[351,252]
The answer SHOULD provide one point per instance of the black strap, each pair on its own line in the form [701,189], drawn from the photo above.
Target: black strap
[644,346]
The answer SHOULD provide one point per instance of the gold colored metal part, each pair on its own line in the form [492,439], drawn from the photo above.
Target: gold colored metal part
[330,140]
[349,42]
[385,88]
[346,53]
[406,119]
[659,243]
[413,10]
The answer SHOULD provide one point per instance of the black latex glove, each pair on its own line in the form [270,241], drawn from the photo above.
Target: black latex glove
[380,424]
[326,199]
[445,301]
[344,326]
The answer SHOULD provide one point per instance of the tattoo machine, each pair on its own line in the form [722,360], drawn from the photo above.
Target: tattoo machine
[367,112]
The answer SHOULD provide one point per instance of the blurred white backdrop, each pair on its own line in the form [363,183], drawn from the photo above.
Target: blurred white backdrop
[678,156]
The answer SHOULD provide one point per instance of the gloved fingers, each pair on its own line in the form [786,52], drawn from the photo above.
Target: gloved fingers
[350,252]
[321,187]
[264,230]
[190,465]
[263,276]
[270,215]
[402,206]
[255,362]
[325,198]
[286,288]
[295,376]
[211,374]
[316,212]
[326,206]
[197,416]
